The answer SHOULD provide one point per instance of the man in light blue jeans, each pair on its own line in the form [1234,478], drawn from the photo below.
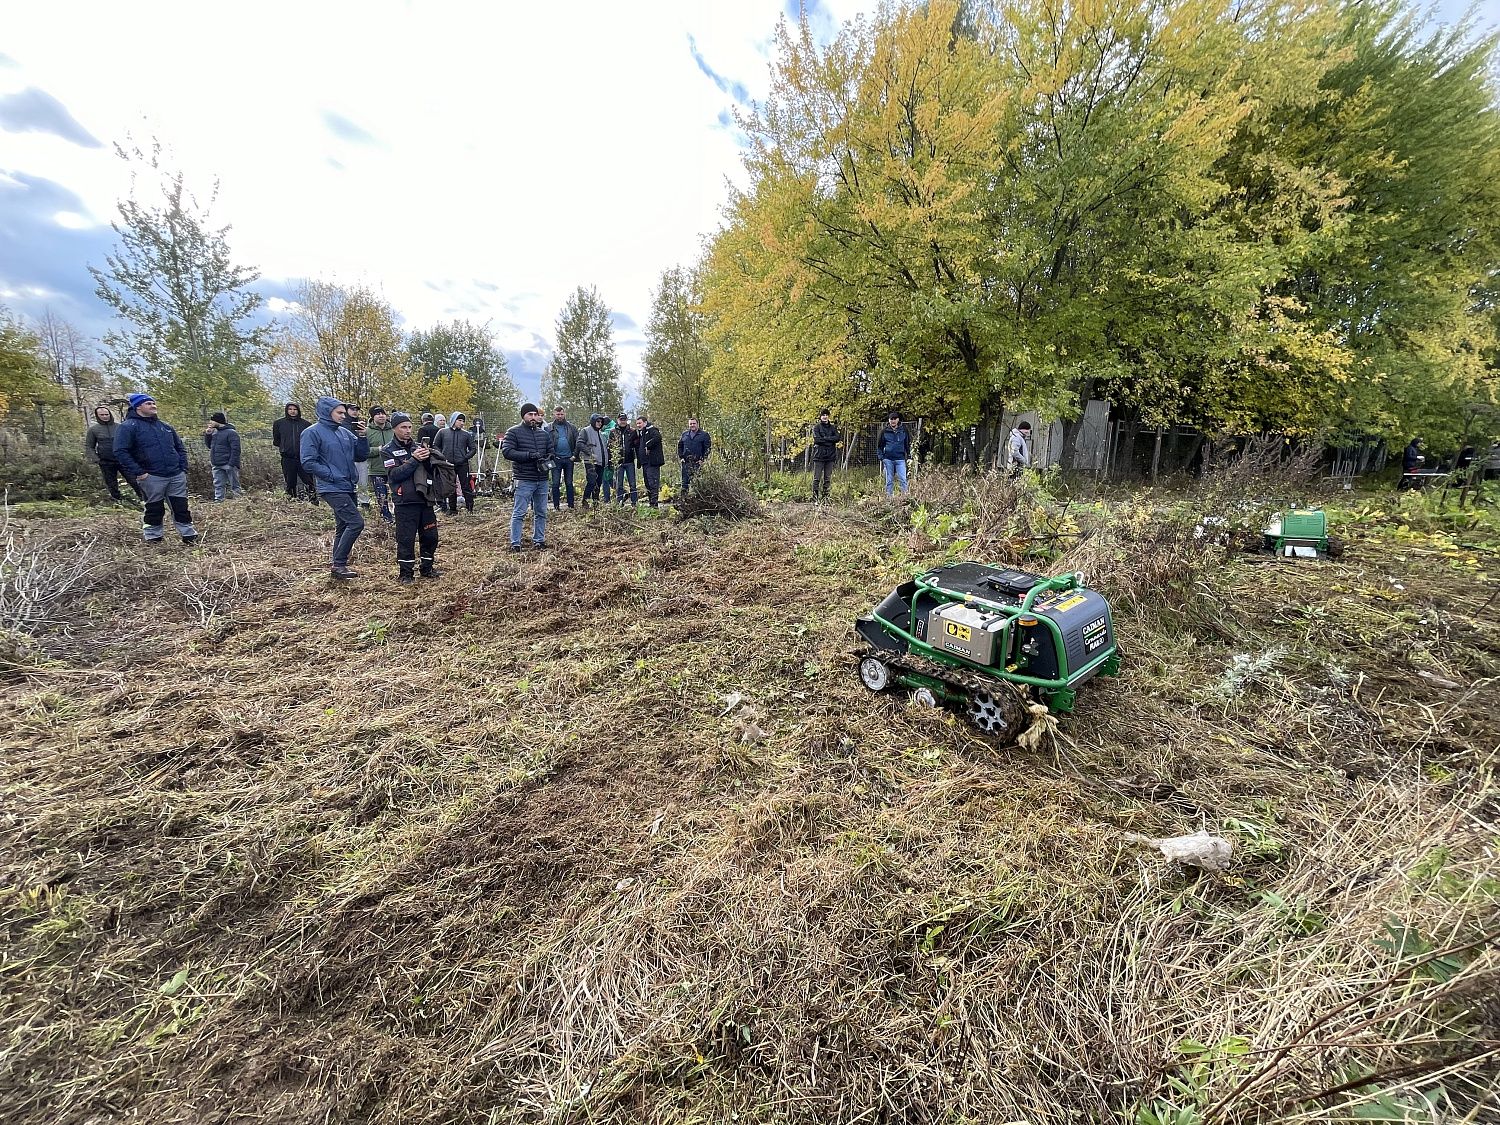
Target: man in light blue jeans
[893,449]
[532,451]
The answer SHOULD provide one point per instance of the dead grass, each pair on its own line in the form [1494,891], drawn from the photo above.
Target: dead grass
[491,849]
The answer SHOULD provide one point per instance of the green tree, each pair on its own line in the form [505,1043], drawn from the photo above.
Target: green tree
[26,394]
[186,305]
[345,342]
[465,347]
[584,373]
[676,354]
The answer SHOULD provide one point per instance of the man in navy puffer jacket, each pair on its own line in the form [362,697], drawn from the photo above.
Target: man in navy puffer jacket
[332,453]
[152,455]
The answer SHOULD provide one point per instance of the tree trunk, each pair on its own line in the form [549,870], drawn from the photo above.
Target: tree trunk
[1156,456]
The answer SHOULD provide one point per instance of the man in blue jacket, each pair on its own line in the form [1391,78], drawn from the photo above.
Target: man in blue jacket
[692,450]
[332,453]
[893,449]
[152,455]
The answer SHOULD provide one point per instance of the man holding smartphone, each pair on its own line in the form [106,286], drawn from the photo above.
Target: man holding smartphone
[405,461]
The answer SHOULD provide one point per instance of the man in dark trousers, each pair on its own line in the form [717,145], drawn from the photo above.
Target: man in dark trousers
[693,449]
[623,456]
[332,453]
[530,448]
[457,444]
[595,445]
[825,443]
[893,449]
[416,523]
[652,458]
[99,449]
[286,436]
[223,442]
[153,455]
[565,436]
[379,434]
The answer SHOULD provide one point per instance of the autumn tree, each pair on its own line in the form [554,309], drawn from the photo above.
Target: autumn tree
[676,353]
[583,375]
[187,307]
[467,349]
[344,341]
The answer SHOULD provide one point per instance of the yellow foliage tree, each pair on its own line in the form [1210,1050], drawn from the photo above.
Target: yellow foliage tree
[453,392]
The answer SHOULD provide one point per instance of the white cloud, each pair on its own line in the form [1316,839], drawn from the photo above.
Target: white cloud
[526,149]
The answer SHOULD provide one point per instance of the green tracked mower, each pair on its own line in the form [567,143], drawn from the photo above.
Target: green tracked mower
[989,641]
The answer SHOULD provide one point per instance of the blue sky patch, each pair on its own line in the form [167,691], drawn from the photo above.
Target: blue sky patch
[33,110]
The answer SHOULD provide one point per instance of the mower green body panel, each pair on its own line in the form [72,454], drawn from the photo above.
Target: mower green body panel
[1052,634]
[1298,527]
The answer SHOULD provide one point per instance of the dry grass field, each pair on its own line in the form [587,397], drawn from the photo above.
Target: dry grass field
[613,833]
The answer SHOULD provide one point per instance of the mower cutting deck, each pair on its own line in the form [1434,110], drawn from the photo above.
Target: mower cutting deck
[989,640]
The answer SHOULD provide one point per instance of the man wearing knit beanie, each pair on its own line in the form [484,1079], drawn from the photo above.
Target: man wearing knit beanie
[405,462]
[223,442]
[154,457]
[531,449]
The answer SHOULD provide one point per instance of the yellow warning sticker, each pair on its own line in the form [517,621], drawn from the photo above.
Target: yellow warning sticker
[954,629]
[1064,606]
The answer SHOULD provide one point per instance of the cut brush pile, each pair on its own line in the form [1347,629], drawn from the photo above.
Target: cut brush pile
[501,849]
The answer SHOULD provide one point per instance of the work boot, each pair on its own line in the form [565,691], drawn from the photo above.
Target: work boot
[429,572]
[189,540]
[342,572]
[515,548]
[406,578]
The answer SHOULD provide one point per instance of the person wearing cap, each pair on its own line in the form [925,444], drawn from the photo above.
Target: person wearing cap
[154,457]
[379,435]
[825,443]
[595,447]
[531,449]
[693,449]
[623,451]
[332,453]
[402,459]
[894,449]
[223,442]
[457,444]
[1018,448]
[565,435]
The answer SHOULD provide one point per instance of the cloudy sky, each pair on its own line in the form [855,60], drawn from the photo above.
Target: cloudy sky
[469,159]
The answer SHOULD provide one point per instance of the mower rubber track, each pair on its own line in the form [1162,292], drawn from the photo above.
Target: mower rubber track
[969,684]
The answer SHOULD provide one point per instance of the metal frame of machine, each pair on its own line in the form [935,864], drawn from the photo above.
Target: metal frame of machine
[971,600]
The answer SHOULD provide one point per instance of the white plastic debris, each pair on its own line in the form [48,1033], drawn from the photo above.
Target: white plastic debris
[1212,853]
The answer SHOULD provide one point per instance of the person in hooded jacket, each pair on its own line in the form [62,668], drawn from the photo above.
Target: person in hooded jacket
[825,443]
[332,453]
[531,449]
[416,523]
[457,444]
[99,449]
[286,436]
[595,448]
[153,455]
[223,442]
[648,444]
[1411,463]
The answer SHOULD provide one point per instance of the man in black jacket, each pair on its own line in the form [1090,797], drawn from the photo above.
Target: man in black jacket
[623,438]
[457,444]
[99,449]
[427,431]
[648,451]
[286,436]
[416,522]
[223,442]
[825,441]
[531,449]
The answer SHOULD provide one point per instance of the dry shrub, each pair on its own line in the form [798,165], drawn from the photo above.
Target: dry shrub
[1263,467]
[39,571]
[716,490]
